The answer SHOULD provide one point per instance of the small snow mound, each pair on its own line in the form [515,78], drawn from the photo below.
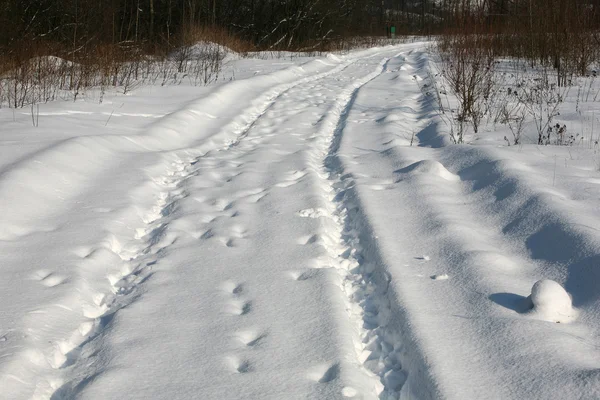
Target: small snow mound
[431,167]
[551,301]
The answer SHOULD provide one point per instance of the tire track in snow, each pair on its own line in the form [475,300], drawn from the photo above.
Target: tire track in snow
[241,134]
[240,360]
[137,256]
[364,288]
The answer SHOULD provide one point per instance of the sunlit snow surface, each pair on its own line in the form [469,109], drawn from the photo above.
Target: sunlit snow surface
[305,231]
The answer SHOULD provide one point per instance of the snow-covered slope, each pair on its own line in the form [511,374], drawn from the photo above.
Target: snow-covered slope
[490,224]
[305,232]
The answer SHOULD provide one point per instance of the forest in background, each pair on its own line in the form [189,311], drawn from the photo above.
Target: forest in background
[107,42]
[76,26]
[155,25]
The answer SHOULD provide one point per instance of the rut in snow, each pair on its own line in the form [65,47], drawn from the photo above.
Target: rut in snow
[352,251]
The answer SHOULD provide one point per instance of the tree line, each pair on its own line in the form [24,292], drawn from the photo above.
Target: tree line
[281,24]
[150,24]
[105,42]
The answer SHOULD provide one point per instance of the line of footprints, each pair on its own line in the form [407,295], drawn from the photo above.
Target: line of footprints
[237,305]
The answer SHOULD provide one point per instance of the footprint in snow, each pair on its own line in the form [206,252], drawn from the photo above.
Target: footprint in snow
[236,305]
[232,287]
[48,278]
[251,338]
[325,373]
[236,234]
[238,365]
[239,231]
[304,274]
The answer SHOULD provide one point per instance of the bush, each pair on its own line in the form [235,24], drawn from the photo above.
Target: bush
[467,66]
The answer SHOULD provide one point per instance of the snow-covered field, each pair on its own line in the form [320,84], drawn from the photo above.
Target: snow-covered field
[305,231]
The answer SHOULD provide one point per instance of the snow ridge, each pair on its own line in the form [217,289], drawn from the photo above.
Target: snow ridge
[139,254]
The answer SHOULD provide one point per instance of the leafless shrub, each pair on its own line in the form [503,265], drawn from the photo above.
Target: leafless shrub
[514,115]
[542,100]
[468,67]
[36,74]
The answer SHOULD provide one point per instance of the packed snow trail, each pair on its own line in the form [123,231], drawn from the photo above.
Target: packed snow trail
[306,233]
[235,213]
[60,357]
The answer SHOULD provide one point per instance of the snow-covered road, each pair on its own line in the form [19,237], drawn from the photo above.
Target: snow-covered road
[304,233]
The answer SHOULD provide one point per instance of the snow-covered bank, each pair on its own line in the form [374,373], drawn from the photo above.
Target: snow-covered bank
[490,220]
[307,232]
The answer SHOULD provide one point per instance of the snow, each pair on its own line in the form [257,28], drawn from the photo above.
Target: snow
[430,167]
[305,230]
[440,277]
[494,231]
[551,302]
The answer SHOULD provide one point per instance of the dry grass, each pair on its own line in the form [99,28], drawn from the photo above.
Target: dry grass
[42,72]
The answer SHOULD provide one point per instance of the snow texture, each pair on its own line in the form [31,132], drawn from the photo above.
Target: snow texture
[306,231]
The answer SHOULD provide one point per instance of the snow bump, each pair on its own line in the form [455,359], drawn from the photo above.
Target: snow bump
[551,302]
[429,167]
